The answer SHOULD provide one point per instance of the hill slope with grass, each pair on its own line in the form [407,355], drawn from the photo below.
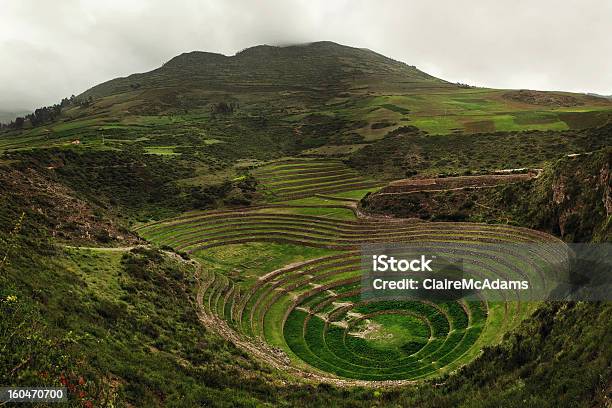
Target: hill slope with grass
[293,99]
[571,198]
[190,236]
[308,73]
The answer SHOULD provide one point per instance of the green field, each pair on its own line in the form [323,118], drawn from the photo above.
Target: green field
[288,273]
[295,179]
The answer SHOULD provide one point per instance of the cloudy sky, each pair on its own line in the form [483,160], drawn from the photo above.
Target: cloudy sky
[51,49]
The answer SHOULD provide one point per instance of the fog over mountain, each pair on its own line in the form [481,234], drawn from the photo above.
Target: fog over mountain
[51,50]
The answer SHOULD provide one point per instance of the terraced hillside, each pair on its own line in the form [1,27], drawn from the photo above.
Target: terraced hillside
[283,281]
[299,178]
[453,183]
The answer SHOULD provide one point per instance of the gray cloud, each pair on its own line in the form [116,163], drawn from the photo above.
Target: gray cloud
[53,49]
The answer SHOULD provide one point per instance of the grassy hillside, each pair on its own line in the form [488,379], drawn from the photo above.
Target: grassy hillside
[292,99]
[408,151]
[313,72]
[571,198]
[190,236]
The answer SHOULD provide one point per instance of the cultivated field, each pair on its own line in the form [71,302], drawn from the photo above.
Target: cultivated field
[299,178]
[283,280]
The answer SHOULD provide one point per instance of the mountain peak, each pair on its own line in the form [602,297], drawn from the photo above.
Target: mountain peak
[195,57]
[319,70]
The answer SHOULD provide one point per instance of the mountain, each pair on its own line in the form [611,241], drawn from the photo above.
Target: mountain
[7,116]
[599,95]
[307,73]
[358,83]
[306,97]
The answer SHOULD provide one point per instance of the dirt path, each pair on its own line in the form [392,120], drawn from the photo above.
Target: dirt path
[441,190]
[456,183]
